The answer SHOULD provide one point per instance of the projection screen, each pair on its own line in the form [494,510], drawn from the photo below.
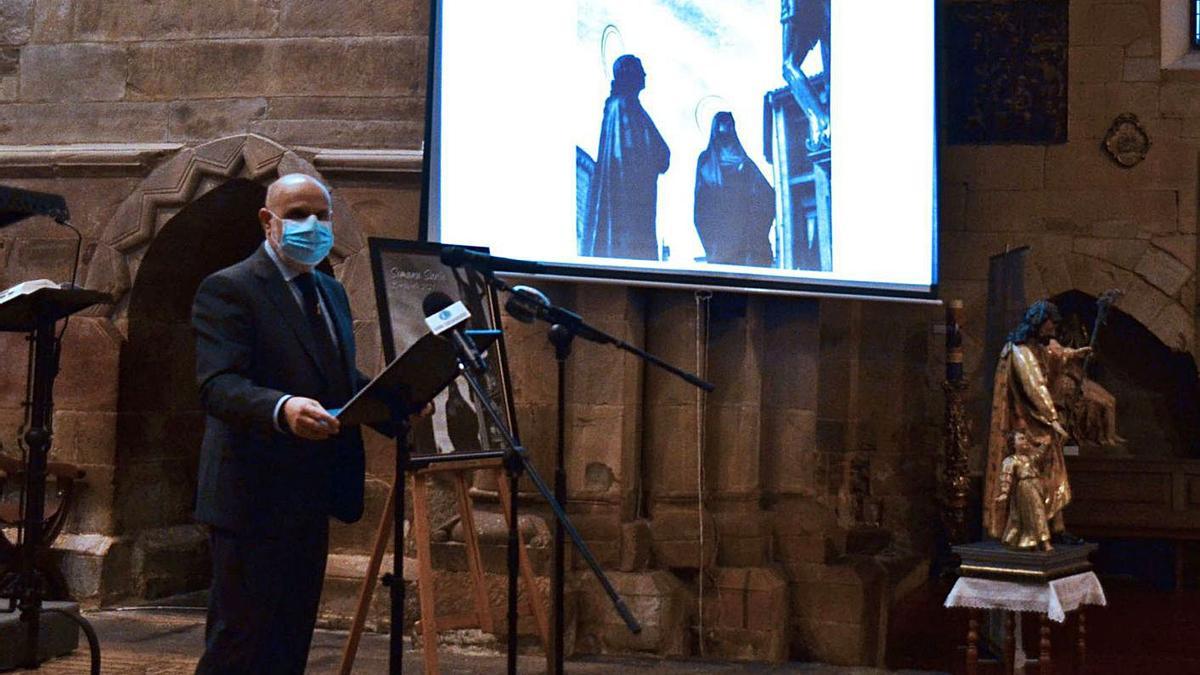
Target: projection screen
[689,142]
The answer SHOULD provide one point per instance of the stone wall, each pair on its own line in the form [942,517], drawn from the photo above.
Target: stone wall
[1091,224]
[298,71]
[813,460]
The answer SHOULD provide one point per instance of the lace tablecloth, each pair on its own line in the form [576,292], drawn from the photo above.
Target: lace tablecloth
[1052,598]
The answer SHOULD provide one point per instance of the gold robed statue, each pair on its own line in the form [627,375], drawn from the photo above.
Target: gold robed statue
[1022,401]
[1019,490]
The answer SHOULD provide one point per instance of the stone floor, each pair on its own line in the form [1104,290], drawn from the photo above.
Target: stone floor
[158,642]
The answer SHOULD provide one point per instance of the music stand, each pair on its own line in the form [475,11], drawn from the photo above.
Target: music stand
[37,313]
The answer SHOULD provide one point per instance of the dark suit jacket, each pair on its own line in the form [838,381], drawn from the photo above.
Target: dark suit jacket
[254,345]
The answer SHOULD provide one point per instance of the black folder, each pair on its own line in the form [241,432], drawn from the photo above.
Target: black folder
[411,380]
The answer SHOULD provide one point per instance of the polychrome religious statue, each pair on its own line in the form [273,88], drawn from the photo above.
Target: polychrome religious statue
[1023,400]
[1019,492]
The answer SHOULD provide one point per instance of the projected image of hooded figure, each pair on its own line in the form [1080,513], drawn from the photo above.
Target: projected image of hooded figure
[735,204]
[623,194]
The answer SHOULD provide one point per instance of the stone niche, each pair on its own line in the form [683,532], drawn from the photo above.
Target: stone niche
[1155,386]
[126,407]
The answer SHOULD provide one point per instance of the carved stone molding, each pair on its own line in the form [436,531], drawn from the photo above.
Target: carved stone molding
[43,160]
[186,176]
[330,160]
[135,158]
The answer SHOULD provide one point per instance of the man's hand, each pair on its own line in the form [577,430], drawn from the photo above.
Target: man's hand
[425,412]
[308,419]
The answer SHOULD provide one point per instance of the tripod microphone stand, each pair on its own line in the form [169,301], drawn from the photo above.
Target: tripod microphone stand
[527,304]
[516,462]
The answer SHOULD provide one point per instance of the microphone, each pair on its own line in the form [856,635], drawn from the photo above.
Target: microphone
[443,315]
[526,303]
[457,256]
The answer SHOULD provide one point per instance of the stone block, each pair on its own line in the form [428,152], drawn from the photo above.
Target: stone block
[754,598]
[596,439]
[391,66]
[204,120]
[1100,63]
[807,547]
[637,548]
[1111,24]
[1124,253]
[89,366]
[73,72]
[828,642]
[1182,247]
[134,20]
[52,20]
[368,17]
[732,444]
[658,600]
[671,451]
[789,443]
[744,538]
[201,69]
[996,167]
[1163,270]
[396,108]
[171,560]
[341,134]
[14,369]
[360,536]
[746,615]
[84,437]
[95,501]
[83,122]
[1175,326]
[16,21]
[1178,99]
[678,540]
[740,644]
[155,494]
[1141,69]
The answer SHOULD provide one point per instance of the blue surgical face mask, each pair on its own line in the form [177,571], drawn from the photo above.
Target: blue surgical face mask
[306,241]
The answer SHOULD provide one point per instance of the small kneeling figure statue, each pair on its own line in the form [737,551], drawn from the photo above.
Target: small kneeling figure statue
[1020,489]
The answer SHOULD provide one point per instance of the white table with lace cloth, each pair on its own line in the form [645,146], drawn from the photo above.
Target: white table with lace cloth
[1053,600]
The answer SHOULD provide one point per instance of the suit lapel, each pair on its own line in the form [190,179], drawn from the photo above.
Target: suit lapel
[276,289]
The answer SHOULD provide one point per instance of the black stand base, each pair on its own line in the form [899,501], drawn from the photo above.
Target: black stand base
[57,635]
[992,559]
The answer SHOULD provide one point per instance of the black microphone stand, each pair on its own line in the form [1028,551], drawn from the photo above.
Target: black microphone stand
[564,326]
[516,462]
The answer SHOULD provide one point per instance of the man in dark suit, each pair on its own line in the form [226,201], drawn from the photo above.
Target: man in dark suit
[274,351]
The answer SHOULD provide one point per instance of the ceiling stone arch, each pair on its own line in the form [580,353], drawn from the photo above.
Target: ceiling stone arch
[187,175]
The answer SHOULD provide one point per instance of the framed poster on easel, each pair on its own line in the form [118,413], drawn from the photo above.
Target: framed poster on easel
[405,273]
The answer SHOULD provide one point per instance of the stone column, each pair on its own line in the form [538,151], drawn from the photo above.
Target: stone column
[733,425]
[672,423]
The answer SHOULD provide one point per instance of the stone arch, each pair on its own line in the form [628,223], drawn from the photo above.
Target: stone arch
[1158,286]
[190,174]
[139,433]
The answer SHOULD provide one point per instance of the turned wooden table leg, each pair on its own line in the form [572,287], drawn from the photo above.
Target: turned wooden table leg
[1044,665]
[1010,641]
[972,642]
[1081,642]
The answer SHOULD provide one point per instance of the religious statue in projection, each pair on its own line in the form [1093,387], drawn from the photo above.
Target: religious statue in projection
[1023,401]
[735,205]
[622,197]
[1020,494]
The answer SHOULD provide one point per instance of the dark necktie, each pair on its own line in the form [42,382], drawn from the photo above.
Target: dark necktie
[328,352]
